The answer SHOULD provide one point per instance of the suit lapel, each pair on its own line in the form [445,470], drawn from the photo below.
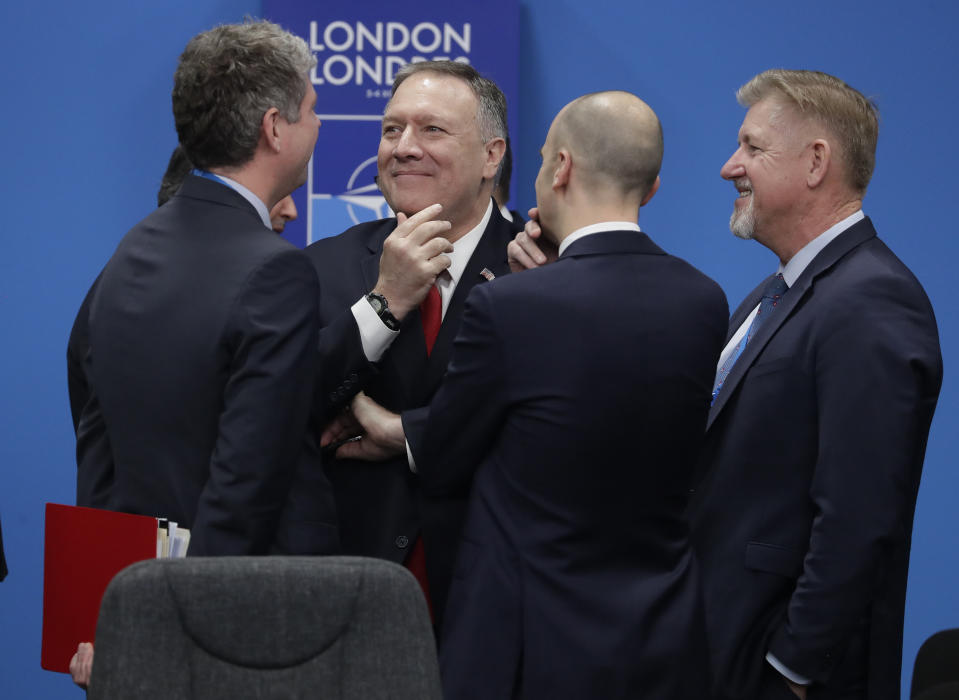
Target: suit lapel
[827,257]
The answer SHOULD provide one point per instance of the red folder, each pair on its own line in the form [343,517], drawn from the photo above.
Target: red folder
[84,548]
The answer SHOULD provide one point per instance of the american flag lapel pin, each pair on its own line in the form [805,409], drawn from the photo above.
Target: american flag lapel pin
[487,274]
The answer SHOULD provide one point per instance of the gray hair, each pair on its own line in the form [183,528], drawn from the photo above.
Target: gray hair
[491,113]
[848,114]
[227,79]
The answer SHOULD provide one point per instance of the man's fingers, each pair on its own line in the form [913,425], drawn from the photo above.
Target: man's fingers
[81,664]
[436,246]
[429,230]
[532,230]
[436,265]
[364,449]
[529,247]
[407,225]
[340,428]
[518,258]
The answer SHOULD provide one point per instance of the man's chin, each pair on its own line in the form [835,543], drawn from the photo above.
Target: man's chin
[410,206]
[742,225]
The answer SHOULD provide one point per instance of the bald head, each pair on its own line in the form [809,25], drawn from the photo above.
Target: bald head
[615,139]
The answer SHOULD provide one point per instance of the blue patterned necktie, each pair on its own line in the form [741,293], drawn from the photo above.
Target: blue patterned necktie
[774,291]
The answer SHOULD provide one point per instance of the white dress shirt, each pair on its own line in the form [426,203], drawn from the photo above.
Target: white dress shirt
[597,228]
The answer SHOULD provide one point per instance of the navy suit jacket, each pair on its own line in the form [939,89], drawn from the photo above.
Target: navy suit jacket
[811,466]
[202,335]
[577,395]
[379,504]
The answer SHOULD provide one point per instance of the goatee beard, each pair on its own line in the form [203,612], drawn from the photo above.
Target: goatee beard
[743,223]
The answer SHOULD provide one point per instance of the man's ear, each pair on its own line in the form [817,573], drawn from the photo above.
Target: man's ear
[652,190]
[495,150]
[270,128]
[820,159]
[564,166]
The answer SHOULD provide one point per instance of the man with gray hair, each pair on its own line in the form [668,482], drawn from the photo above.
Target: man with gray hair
[575,575]
[392,294]
[822,403]
[203,326]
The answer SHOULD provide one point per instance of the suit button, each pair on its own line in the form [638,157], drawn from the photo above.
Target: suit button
[402,542]
[353,376]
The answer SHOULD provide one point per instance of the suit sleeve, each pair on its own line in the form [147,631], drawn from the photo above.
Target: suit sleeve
[272,341]
[468,410]
[95,465]
[877,377]
[77,346]
[344,364]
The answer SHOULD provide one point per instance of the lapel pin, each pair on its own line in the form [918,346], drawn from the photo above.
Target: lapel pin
[486,274]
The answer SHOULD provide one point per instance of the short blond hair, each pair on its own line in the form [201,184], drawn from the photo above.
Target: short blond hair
[848,114]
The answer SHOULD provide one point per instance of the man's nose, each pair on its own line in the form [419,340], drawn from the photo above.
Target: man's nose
[407,146]
[732,168]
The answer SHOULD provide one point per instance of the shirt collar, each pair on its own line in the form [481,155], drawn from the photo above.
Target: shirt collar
[597,228]
[800,261]
[464,247]
[255,201]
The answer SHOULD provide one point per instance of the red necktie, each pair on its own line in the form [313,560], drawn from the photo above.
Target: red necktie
[431,313]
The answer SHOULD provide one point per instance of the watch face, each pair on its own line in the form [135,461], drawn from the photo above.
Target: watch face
[376,303]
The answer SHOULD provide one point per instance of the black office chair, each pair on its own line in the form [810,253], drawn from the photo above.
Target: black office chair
[935,675]
[294,628]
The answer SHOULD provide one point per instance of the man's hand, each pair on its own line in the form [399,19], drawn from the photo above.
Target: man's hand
[530,248]
[82,664]
[381,432]
[340,429]
[413,255]
[798,690]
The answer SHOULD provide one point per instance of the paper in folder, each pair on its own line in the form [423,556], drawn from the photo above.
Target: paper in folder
[84,548]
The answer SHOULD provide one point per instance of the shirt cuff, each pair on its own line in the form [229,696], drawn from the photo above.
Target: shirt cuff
[787,672]
[374,334]
[409,457]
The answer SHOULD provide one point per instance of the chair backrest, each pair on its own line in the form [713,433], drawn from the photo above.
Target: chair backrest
[264,627]
[937,663]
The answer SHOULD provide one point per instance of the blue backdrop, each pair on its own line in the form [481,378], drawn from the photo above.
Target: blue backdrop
[87,130]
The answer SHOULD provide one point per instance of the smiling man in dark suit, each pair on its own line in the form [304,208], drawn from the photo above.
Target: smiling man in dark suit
[392,293]
[202,328]
[571,417]
[823,400]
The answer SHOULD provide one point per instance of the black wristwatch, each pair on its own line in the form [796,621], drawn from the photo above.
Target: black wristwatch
[382,309]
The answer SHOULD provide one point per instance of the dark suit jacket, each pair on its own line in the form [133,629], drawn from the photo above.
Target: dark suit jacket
[202,335]
[77,346]
[379,504]
[811,466]
[577,394]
